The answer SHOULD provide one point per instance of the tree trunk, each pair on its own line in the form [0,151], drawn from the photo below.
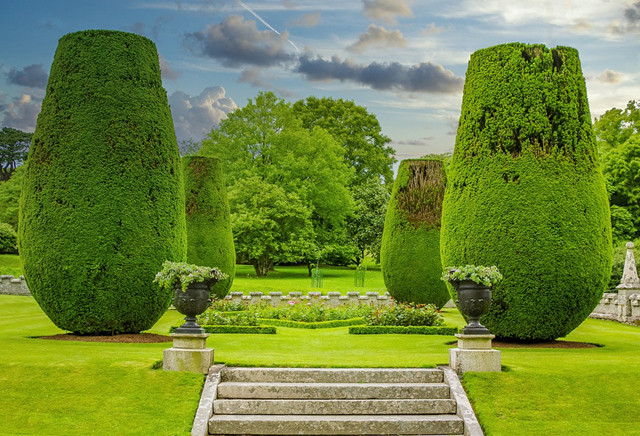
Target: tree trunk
[261,266]
[310,267]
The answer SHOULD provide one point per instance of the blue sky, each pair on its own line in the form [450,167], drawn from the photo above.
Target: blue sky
[404,60]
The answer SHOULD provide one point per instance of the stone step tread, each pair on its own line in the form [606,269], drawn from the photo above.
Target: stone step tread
[336,424]
[333,390]
[334,375]
[334,407]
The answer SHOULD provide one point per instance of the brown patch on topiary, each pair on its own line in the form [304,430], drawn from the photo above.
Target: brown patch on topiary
[421,198]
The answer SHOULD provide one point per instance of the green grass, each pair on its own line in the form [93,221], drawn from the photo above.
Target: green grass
[10,264]
[53,387]
[294,278]
[72,388]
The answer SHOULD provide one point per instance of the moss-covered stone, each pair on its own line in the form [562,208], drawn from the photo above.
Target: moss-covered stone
[209,234]
[102,203]
[525,191]
[410,250]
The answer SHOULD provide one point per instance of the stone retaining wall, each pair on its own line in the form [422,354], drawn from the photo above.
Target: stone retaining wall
[332,298]
[13,286]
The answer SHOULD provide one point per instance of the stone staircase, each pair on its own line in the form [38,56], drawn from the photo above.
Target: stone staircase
[335,401]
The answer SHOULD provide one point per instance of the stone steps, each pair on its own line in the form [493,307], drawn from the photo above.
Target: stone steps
[334,401]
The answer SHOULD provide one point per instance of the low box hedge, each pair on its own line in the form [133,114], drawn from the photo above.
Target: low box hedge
[246,329]
[445,330]
[312,325]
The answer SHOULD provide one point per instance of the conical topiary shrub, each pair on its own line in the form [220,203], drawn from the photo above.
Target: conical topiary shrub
[525,191]
[102,202]
[209,234]
[410,250]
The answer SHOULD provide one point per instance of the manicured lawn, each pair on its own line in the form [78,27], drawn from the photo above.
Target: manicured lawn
[294,278]
[10,264]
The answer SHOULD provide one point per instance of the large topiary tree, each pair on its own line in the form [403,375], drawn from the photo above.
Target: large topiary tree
[102,203]
[410,250]
[525,191]
[209,234]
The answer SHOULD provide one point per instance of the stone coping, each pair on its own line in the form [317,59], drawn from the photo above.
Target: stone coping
[205,407]
[465,411]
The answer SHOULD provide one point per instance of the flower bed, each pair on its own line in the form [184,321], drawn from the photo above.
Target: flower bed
[403,330]
[246,329]
[312,325]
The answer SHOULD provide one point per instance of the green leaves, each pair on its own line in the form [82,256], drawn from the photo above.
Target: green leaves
[173,273]
[482,275]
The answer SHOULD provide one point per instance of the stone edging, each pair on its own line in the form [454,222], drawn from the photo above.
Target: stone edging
[205,407]
[11,285]
[465,411]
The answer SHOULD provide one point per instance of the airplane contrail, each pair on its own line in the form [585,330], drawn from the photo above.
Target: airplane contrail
[251,11]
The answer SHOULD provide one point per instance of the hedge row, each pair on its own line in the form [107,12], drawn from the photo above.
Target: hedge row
[312,325]
[242,329]
[445,330]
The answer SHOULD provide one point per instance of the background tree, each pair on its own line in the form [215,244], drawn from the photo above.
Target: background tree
[265,142]
[618,135]
[525,190]
[10,197]
[366,225]
[367,151]
[14,146]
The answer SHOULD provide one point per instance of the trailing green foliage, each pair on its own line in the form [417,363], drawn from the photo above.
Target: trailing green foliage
[445,330]
[8,239]
[102,203]
[241,329]
[525,191]
[174,273]
[209,234]
[312,325]
[482,275]
[410,250]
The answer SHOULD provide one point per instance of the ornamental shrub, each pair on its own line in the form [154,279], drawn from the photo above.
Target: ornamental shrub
[209,234]
[525,190]
[102,203]
[8,239]
[410,250]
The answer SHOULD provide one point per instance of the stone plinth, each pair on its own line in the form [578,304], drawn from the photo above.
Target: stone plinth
[474,354]
[189,353]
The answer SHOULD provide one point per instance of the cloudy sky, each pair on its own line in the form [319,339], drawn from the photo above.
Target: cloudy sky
[404,60]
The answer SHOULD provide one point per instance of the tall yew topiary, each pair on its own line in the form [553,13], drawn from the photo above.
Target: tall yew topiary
[209,234]
[410,250]
[525,191]
[102,203]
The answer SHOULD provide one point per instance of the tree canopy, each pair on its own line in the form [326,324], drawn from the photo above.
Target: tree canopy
[14,145]
[618,136]
[265,143]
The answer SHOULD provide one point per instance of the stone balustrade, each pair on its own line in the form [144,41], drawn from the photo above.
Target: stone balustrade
[13,286]
[332,298]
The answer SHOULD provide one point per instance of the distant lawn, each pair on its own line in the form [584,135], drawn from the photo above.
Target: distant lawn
[10,264]
[284,279]
[73,388]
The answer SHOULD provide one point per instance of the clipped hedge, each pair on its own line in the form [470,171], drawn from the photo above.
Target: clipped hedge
[410,250]
[209,235]
[525,191]
[102,202]
[446,330]
[241,329]
[312,325]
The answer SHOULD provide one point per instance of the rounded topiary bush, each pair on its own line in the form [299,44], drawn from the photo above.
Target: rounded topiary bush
[8,239]
[209,234]
[410,250]
[525,191]
[102,203]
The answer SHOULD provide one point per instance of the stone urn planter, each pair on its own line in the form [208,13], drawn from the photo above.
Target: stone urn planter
[191,303]
[474,300]
[473,287]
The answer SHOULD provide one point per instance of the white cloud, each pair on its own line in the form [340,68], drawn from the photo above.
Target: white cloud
[387,10]
[166,71]
[377,37]
[21,113]
[194,117]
